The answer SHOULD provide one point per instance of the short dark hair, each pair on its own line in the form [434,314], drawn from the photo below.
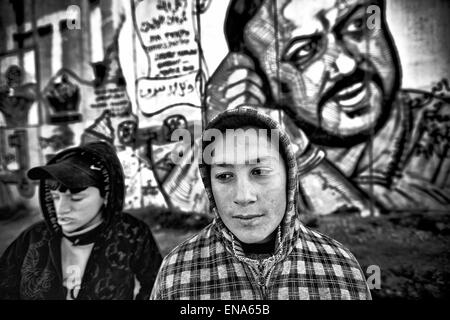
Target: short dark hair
[56,185]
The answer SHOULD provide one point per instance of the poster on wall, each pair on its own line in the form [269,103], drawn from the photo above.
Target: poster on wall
[166,36]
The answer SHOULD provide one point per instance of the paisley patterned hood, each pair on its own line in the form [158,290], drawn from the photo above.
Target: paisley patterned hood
[104,156]
[33,266]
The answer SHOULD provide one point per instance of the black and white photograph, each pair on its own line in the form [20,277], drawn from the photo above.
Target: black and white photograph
[234,150]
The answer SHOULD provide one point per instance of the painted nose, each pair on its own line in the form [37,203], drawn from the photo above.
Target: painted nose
[244,192]
[342,65]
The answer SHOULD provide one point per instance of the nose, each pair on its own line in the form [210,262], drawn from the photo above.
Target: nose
[342,64]
[244,192]
[62,206]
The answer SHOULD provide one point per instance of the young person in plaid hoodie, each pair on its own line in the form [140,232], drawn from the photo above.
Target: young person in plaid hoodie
[256,247]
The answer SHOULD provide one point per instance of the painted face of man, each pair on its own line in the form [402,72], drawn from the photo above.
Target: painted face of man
[333,71]
[76,211]
[248,180]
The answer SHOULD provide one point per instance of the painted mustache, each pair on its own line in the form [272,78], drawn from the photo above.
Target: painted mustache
[359,76]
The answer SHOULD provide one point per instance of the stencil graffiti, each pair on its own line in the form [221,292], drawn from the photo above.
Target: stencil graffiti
[63,98]
[16,97]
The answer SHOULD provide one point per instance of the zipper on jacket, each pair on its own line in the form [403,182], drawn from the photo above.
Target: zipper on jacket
[257,271]
[262,280]
[260,287]
[257,268]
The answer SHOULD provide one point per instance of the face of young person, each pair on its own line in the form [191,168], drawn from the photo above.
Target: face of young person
[248,180]
[77,211]
[335,71]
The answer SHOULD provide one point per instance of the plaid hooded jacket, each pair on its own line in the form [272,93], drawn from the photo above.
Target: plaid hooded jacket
[305,264]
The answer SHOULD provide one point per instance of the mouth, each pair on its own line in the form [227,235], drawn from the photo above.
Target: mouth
[352,92]
[248,216]
[64,220]
[350,99]
[248,219]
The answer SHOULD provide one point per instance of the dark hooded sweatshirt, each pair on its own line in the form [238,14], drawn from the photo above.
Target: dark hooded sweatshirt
[124,248]
[304,265]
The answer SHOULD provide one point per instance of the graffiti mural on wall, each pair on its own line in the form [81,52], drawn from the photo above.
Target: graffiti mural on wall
[168,93]
[134,72]
[337,80]
[16,99]
[79,104]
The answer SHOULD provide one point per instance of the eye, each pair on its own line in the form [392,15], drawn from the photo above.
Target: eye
[301,51]
[55,196]
[76,199]
[224,176]
[261,171]
[356,25]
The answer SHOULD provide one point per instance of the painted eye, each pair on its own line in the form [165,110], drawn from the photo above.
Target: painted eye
[356,25]
[301,51]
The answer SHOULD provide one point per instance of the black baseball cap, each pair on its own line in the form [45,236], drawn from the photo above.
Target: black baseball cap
[74,171]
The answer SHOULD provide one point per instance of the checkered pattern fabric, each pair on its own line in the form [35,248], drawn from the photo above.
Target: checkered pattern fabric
[305,264]
[205,267]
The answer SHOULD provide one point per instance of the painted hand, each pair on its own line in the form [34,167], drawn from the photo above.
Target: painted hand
[234,83]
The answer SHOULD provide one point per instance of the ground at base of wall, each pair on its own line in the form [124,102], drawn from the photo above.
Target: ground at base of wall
[411,250]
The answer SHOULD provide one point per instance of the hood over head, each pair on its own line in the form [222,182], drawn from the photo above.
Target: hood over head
[93,164]
[246,116]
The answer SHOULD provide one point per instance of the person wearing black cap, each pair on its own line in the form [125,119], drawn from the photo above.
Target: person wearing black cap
[86,248]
